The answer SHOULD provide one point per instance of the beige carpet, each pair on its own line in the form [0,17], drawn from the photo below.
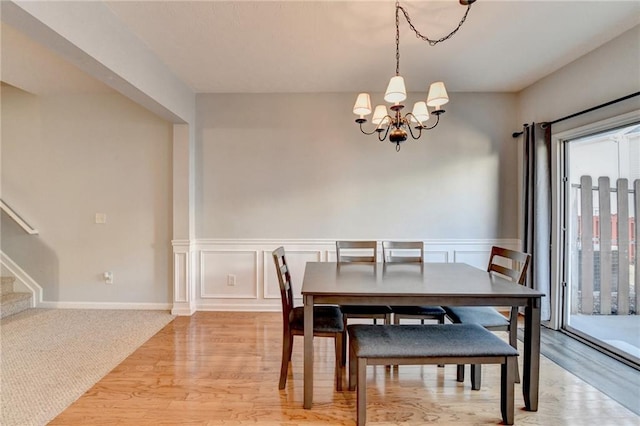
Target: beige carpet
[50,357]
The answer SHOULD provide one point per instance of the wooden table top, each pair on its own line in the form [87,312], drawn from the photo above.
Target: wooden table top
[428,279]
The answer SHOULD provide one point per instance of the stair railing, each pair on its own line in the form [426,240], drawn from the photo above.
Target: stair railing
[17,218]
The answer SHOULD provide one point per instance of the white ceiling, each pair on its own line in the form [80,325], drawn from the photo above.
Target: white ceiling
[349,46]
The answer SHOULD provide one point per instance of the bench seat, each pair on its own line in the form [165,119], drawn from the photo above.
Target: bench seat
[428,344]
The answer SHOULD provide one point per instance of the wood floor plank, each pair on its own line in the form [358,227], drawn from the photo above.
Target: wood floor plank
[218,368]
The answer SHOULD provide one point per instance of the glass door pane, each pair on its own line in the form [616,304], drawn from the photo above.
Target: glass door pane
[602,174]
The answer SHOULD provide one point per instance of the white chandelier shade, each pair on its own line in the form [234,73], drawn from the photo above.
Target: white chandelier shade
[380,116]
[396,90]
[420,112]
[362,106]
[437,95]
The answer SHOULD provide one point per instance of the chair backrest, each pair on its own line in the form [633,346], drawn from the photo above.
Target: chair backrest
[519,263]
[360,247]
[412,251]
[284,280]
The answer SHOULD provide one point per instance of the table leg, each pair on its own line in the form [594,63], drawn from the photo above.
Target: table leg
[308,351]
[531,368]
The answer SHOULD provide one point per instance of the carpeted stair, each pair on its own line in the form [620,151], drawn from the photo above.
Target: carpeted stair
[12,302]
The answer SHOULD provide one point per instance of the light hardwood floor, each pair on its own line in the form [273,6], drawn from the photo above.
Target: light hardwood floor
[222,369]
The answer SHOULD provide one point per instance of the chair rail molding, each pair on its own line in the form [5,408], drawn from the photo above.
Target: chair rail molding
[238,274]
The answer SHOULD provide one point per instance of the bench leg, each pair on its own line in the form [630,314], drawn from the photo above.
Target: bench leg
[476,376]
[353,364]
[362,391]
[460,373]
[507,380]
[339,342]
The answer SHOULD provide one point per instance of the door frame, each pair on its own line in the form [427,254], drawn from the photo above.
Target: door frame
[559,241]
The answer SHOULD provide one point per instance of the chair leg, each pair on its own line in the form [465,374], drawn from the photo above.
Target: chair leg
[513,337]
[344,346]
[287,346]
[507,380]
[362,391]
[338,348]
[476,376]
[460,373]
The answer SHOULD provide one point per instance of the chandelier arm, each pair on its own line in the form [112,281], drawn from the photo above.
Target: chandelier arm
[386,132]
[368,133]
[435,124]
[407,119]
[419,132]
[425,38]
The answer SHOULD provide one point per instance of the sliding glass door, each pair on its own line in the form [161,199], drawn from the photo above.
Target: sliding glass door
[602,193]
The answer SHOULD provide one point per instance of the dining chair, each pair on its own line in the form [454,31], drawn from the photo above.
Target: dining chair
[410,252]
[489,317]
[361,252]
[327,322]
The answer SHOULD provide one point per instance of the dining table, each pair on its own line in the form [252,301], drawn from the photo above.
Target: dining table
[443,284]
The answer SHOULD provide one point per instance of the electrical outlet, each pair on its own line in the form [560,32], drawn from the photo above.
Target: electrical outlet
[101,218]
[231,280]
[108,277]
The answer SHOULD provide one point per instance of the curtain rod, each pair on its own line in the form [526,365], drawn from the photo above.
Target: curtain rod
[615,101]
[624,98]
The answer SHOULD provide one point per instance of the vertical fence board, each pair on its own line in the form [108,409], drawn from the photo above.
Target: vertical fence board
[606,263]
[623,246]
[575,258]
[586,243]
[636,197]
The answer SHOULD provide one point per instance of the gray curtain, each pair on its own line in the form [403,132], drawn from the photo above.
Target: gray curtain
[537,209]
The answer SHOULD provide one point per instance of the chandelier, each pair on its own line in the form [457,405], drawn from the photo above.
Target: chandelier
[395,125]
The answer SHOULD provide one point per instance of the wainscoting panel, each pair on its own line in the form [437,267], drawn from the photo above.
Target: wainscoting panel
[296,259]
[438,256]
[256,285]
[229,274]
[477,258]
[180,274]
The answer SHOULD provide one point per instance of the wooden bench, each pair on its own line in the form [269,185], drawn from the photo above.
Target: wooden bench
[428,344]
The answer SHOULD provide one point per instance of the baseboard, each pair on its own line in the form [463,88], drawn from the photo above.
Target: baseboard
[107,305]
[214,307]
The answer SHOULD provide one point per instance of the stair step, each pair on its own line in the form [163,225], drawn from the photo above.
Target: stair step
[12,303]
[7,285]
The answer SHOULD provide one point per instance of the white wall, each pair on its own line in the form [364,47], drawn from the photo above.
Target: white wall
[67,157]
[296,166]
[607,73]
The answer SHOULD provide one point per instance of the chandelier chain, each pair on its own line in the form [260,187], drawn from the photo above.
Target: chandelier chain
[431,42]
[397,39]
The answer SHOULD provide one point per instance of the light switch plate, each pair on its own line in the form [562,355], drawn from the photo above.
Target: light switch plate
[101,218]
